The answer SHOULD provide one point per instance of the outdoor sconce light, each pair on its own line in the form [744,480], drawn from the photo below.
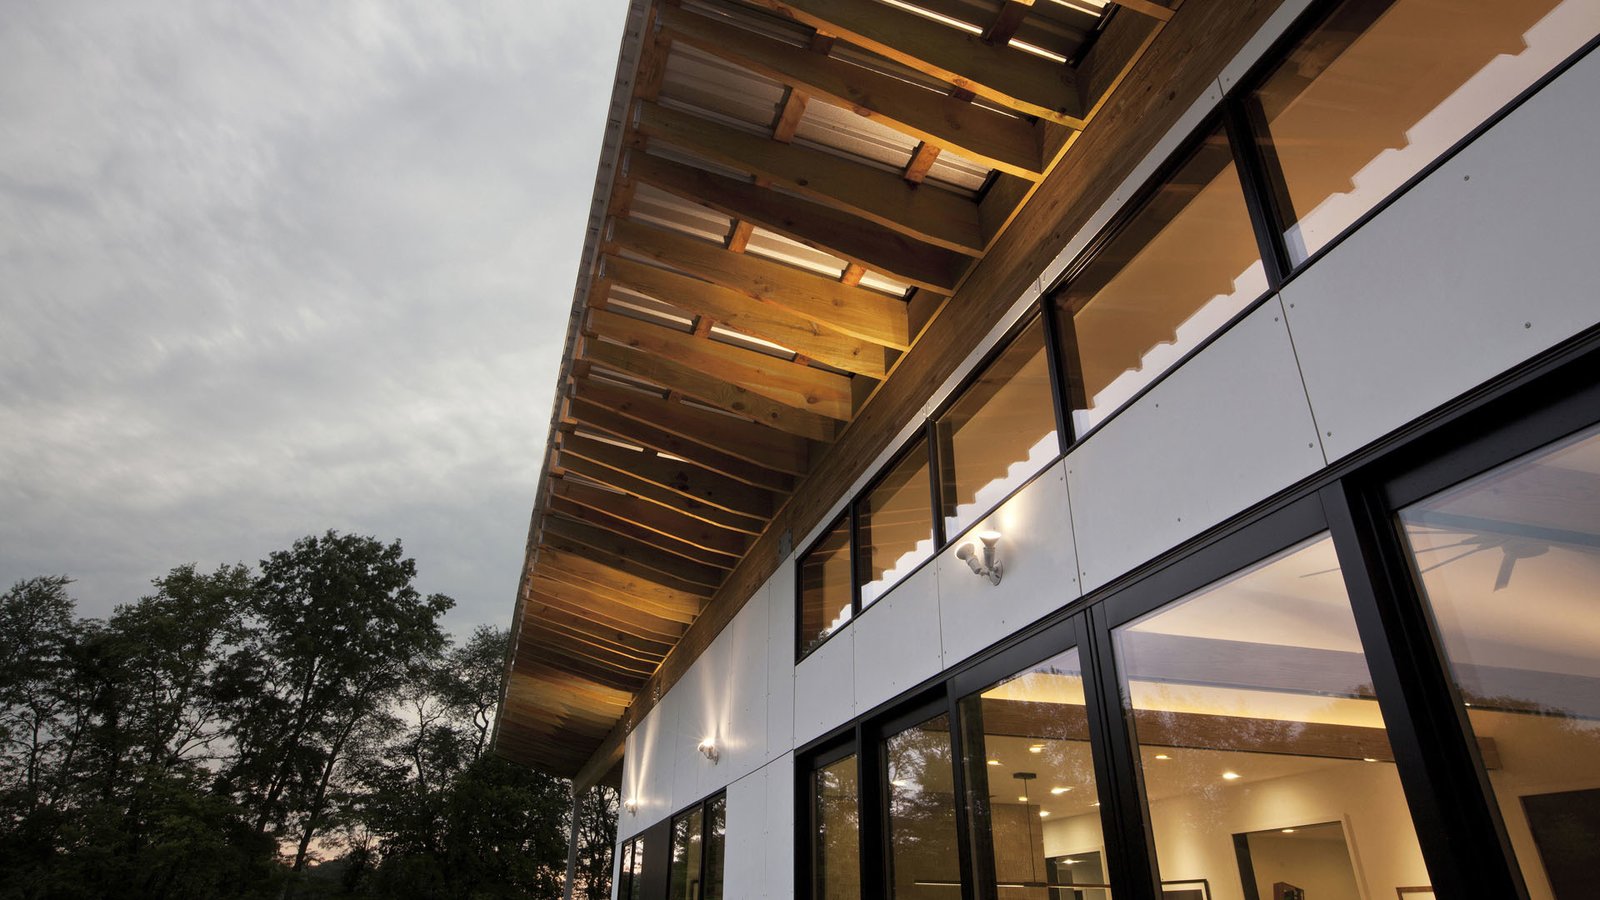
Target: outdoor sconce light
[709,748]
[631,805]
[988,564]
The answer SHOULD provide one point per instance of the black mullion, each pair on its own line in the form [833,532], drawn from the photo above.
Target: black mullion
[1059,377]
[1130,864]
[973,800]
[855,557]
[1261,179]
[959,781]
[705,844]
[870,804]
[1462,838]
[930,432]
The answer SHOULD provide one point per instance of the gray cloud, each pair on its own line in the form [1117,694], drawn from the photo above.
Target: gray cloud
[270,268]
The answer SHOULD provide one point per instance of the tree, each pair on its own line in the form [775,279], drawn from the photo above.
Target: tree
[333,630]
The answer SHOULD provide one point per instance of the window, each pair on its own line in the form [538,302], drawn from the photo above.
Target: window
[998,433]
[1256,726]
[1033,808]
[1384,87]
[924,857]
[825,589]
[1177,272]
[836,838]
[630,874]
[698,842]
[894,523]
[1509,564]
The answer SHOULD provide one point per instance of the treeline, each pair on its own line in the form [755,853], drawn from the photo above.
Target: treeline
[302,729]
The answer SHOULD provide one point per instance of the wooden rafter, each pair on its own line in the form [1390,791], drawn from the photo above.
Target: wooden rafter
[1005,142]
[677,476]
[648,434]
[661,511]
[577,536]
[623,525]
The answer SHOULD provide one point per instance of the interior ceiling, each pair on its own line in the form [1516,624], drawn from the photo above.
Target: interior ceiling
[790,193]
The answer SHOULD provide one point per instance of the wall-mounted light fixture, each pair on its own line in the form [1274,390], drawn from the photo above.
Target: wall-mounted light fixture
[631,805]
[709,748]
[986,564]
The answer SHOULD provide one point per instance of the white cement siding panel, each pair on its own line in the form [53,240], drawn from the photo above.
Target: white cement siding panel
[897,639]
[745,863]
[1040,570]
[824,687]
[781,819]
[1485,263]
[696,699]
[648,775]
[780,659]
[1228,428]
[743,695]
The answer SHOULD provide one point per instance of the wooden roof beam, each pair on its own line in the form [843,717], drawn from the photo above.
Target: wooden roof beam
[1007,21]
[752,317]
[783,380]
[662,440]
[642,589]
[577,536]
[624,527]
[939,217]
[681,478]
[739,438]
[651,515]
[1029,84]
[994,139]
[813,224]
[859,312]
[601,608]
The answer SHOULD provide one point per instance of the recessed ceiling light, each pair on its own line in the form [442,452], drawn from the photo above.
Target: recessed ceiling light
[1023,799]
[1096,803]
[994,762]
[1231,776]
[1069,861]
[1058,791]
[1162,756]
[1043,813]
[1368,759]
[1288,831]
[1036,748]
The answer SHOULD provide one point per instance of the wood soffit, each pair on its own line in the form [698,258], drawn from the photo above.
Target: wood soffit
[771,288]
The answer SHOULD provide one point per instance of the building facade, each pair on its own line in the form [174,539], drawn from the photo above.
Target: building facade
[1251,550]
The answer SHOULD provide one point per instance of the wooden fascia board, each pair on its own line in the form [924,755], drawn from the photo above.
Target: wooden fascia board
[1168,78]
[672,375]
[1015,79]
[856,311]
[999,141]
[782,380]
[740,313]
[938,217]
[814,224]
[740,438]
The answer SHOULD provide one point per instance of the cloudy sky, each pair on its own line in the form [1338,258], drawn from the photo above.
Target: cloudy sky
[269,267]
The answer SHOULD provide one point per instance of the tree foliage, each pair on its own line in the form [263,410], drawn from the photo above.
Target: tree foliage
[304,729]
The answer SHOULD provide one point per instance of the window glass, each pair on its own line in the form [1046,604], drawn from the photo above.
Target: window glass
[1031,799]
[896,523]
[825,586]
[1183,266]
[999,432]
[1256,726]
[1385,86]
[1510,567]
[923,853]
[631,873]
[836,847]
[716,846]
[688,833]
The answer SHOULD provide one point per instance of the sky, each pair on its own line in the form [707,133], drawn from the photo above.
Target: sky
[271,267]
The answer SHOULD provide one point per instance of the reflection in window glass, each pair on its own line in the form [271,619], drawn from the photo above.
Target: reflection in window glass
[923,852]
[1253,711]
[896,523]
[630,874]
[836,845]
[1181,268]
[716,846]
[999,432]
[688,832]
[1030,785]
[1385,86]
[1510,566]
[825,586]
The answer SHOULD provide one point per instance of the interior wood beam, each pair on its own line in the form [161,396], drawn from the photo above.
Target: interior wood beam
[651,515]
[783,380]
[813,224]
[742,439]
[688,380]
[938,217]
[575,536]
[683,479]
[740,313]
[1007,21]
[991,138]
[1015,79]
[664,441]
[859,312]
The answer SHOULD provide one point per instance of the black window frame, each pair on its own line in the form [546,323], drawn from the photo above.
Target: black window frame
[703,806]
